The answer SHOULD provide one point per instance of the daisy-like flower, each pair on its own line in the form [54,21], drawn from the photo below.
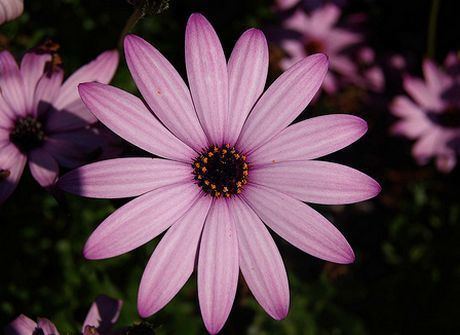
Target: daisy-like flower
[102,315]
[306,34]
[430,115]
[10,9]
[232,163]
[43,120]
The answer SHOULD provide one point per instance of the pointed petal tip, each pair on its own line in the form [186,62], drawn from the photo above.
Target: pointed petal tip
[280,312]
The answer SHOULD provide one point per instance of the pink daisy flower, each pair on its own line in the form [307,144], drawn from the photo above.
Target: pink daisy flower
[317,32]
[43,120]
[232,163]
[430,115]
[10,9]
[102,315]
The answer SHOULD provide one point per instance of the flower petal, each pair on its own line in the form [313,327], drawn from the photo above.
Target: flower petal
[247,74]
[22,325]
[260,261]
[47,327]
[217,267]
[165,91]
[317,182]
[422,94]
[10,9]
[124,177]
[43,167]
[173,260]
[101,70]
[140,221]
[46,91]
[103,313]
[312,138]
[207,75]
[11,166]
[284,100]
[11,83]
[299,224]
[32,68]
[128,117]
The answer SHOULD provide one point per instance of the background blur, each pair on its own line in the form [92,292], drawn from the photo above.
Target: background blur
[406,278]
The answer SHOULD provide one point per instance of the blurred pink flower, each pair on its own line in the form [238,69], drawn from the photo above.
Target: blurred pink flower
[101,317]
[431,114]
[42,120]
[307,34]
[10,9]
[369,74]
[307,4]
[232,163]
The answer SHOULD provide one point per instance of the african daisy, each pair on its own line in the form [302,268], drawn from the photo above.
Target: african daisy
[232,163]
[10,9]
[43,120]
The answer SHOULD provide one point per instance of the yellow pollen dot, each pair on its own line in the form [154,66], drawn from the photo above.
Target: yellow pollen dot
[238,191]
[207,182]
[238,184]
[225,189]
[217,194]
[197,164]
[237,156]
[224,151]
[228,145]
[210,154]
[216,149]
[245,173]
[213,186]
[245,166]
[243,157]
[203,169]
[205,160]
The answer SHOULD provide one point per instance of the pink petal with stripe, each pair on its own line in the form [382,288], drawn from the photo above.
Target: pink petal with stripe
[12,163]
[22,325]
[207,75]
[165,91]
[217,267]
[124,177]
[11,84]
[173,260]
[43,167]
[299,224]
[140,221]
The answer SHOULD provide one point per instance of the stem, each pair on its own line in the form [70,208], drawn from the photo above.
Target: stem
[432,26]
[132,21]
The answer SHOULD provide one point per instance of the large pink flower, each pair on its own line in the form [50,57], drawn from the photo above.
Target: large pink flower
[10,9]
[42,119]
[307,34]
[431,115]
[232,164]
[103,313]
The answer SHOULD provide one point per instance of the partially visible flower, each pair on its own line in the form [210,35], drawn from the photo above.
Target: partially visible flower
[43,120]
[102,315]
[305,34]
[232,164]
[431,115]
[369,74]
[10,9]
[307,4]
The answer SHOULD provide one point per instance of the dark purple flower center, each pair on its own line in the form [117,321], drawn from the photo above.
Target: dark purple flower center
[27,133]
[448,118]
[4,174]
[38,331]
[314,46]
[221,171]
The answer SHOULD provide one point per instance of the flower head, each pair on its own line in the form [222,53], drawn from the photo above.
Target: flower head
[306,34]
[431,114]
[42,119]
[101,316]
[231,163]
[10,9]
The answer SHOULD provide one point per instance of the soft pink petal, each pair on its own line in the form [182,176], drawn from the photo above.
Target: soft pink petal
[46,91]
[10,9]
[403,107]
[317,182]
[260,261]
[7,116]
[217,267]
[411,128]
[22,325]
[299,224]
[326,17]
[339,39]
[165,91]
[101,70]
[47,327]
[298,21]
[140,221]
[436,80]
[428,146]
[11,166]
[128,117]
[124,177]
[173,260]
[446,162]
[247,73]
[32,68]
[284,100]
[312,138]
[422,94]
[43,167]
[207,75]
[11,83]
[103,314]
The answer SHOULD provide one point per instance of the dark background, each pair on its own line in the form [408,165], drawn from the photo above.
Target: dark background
[406,276]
